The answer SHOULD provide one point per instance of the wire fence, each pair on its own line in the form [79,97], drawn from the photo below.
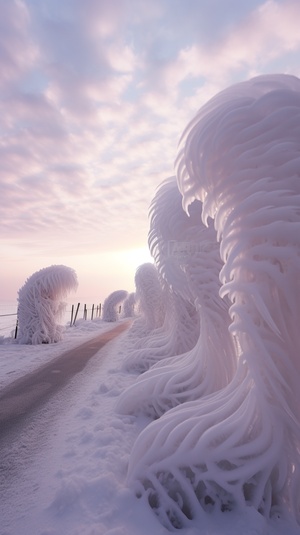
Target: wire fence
[8,319]
[9,316]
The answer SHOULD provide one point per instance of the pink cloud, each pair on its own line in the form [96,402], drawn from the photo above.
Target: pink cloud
[17,49]
[266,33]
[94,101]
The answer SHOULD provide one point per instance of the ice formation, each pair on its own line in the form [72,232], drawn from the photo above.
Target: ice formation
[129,306]
[188,258]
[240,157]
[180,329]
[149,299]
[40,306]
[111,304]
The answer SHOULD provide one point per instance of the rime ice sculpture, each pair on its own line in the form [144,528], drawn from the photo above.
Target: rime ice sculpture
[180,330]
[149,299]
[128,306]
[111,303]
[188,258]
[40,305]
[240,156]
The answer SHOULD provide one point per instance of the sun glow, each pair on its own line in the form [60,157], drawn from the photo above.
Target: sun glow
[136,257]
[102,273]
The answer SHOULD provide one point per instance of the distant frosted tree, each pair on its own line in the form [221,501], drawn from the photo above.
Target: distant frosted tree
[129,306]
[111,304]
[40,306]
[149,296]
[240,446]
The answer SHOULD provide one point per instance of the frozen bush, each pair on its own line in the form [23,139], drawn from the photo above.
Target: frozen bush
[149,296]
[111,304]
[129,306]
[40,306]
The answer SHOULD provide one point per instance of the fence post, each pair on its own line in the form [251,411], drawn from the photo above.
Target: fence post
[16,329]
[85,312]
[72,313]
[92,315]
[78,305]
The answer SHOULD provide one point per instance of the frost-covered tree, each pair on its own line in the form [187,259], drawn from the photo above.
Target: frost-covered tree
[180,329]
[111,305]
[149,298]
[240,156]
[149,308]
[129,306]
[40,306]
[188,258]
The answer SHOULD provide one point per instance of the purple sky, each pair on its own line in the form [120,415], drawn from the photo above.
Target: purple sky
[94,97]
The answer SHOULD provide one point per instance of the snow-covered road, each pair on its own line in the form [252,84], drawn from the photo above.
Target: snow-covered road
[32,452]
[30,390]
[63,470]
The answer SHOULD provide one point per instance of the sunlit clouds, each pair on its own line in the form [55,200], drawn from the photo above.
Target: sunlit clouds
[94,97]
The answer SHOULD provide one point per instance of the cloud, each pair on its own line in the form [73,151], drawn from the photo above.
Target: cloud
[265,34]
[17,49]
[94,97]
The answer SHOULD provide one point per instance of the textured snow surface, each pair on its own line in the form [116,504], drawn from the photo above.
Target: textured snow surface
[71,480]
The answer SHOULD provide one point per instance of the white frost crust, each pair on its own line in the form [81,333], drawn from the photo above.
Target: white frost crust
[240,157]
[111,304]
[40,306]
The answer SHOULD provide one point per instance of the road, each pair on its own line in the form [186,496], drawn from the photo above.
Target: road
[31,409]
[25,394]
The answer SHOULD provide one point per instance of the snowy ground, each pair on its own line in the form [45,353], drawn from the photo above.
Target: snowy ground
[71,480]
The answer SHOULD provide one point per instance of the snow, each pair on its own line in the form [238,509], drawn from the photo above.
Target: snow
[72,481]
[16,360]
[111,303]
[40,306]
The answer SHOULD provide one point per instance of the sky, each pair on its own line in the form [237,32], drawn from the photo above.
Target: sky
[94,95]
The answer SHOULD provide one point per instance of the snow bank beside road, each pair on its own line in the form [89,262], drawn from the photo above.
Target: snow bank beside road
[17,360]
